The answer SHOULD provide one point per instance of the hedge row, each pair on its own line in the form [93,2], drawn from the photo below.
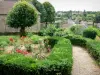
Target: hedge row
[59,62]
[94,49]
[93,46]
[76,39]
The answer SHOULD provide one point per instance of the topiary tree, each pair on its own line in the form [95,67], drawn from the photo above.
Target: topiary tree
[22,15]
[41,9]
[50,17]
[90,33]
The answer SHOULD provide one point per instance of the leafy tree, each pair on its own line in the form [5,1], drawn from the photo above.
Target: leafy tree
[97,18]
[41,9]
[84,13]
[69,14]
[50,17]
[22,15]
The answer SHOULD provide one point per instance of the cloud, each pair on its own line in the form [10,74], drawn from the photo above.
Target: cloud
[90,5]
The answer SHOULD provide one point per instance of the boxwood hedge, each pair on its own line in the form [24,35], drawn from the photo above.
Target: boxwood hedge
[94,49]
[90,33]
[76,39]
[58,62]
[92,46]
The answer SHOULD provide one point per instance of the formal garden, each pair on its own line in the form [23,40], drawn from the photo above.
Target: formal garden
[47,52]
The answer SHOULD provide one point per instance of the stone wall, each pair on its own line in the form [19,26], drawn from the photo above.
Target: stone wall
[4,28]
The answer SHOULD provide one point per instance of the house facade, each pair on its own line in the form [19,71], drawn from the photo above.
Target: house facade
[5,7]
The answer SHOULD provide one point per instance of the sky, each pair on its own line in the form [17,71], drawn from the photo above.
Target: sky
[79,5]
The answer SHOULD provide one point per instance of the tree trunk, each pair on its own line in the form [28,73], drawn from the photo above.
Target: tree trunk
[93,24]
[22,32]
[46,24]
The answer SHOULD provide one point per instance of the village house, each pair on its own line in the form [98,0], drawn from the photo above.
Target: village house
[5,7]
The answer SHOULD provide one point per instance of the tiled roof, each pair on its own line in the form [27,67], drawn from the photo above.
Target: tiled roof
[5,6]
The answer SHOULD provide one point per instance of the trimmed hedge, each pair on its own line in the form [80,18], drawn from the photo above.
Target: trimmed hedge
[93,46]
[59,61]
[94,49]
[90,33]
[76,39]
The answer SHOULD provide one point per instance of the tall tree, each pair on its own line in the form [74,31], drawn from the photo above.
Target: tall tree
[84,13]
[50,17]
[22,15]
[97,18]
[41,9]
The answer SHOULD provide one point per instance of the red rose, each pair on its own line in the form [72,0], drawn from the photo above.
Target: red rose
[25,52]
[19,51]
[11,39]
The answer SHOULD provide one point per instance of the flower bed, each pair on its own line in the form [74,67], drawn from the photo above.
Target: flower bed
[34,47]
[58,62]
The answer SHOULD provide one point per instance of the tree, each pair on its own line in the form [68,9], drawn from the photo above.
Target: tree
[84,13]
[97,18]
[22,15]
[50,17]
[41,9]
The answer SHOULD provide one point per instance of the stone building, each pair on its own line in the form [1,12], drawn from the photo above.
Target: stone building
[5,7]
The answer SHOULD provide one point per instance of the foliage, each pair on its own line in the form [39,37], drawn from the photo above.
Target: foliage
[94,49]
[76,40]
[62,32]
[59,62]
[90,33]
[50,30]
[50,10]
[97,18]
[41,9]
[4,40]
[59,32]
[78,29]
[35,39]
[29,34]
[22,15]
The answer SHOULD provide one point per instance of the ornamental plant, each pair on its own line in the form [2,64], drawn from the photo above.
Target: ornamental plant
[90,33]
[21,16]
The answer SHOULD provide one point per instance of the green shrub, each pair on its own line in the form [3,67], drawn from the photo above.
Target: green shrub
[62,32]
[5,40]
[49,31]
[76,39]
[94,49]
[29,34]
[90,33]
[59,32]
[59,61]
[35,38]
[78,29]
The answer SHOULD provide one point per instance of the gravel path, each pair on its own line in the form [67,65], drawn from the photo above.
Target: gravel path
[83,63]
